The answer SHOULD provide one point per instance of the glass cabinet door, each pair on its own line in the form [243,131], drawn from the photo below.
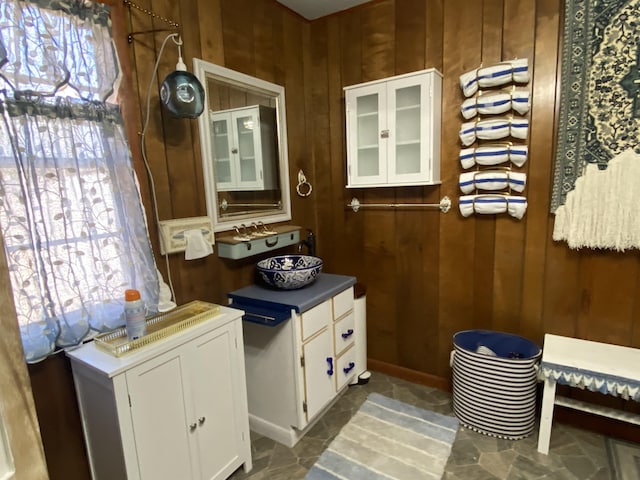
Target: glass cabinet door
[408,158]
[368,134]
[221,144]
[249,161]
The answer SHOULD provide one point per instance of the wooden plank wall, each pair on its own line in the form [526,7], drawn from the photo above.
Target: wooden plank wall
[427,274]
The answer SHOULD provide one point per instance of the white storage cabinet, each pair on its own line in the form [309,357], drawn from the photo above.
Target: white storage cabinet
[245,154]
[393,131]
[297,369]
[175,409]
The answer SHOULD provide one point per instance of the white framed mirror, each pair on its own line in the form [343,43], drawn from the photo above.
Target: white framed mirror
[243,139]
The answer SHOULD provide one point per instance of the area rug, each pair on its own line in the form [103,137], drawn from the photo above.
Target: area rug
[388,440]
[624,459]
[599,114]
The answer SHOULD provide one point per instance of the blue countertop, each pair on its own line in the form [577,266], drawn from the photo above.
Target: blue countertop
[325,286]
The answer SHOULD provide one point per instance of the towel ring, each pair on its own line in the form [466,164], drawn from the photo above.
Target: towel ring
[303,185]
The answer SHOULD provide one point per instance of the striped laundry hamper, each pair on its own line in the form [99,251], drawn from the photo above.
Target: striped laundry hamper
[495,382]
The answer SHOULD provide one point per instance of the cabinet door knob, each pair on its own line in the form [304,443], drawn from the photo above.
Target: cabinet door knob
[330,362]
[384,133]
[193,426]
[201,420]
[348,333]
[234,150]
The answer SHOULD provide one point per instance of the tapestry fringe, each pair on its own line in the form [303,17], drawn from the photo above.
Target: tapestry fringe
[602,210]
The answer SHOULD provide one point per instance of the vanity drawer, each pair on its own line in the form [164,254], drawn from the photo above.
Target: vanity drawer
[344,333]
[345,368]
[342,303]
[314,319]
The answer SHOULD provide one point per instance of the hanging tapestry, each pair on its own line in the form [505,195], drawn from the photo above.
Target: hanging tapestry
[600,89]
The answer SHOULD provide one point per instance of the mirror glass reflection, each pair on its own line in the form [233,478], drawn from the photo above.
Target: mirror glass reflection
[244,148]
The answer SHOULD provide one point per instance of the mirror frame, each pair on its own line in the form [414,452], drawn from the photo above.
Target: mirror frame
[205,71]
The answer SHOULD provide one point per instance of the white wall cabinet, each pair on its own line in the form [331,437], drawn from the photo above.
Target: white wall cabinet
[245,153]
[173,409]
[297,369]
[393,131]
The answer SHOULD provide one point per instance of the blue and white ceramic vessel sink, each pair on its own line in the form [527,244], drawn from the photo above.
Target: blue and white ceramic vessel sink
[289,272]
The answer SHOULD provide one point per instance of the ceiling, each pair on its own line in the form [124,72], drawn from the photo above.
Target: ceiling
[312,9]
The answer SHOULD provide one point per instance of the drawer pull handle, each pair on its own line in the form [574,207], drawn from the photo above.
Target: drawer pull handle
[330,362]
[348,333]
[349,368]
[271,243]
[201,420]
[193,426]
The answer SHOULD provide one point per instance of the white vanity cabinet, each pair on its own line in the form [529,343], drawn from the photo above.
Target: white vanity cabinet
[297,367]
[174,409]
[393,130]
[244,150]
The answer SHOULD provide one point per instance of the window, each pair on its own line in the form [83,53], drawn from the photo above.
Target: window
[70,212]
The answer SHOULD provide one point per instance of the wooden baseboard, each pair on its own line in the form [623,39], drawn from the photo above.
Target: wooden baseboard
[409,375]
[575,418]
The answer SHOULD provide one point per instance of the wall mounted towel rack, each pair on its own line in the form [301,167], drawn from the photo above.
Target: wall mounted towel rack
[443,206]
[224,204]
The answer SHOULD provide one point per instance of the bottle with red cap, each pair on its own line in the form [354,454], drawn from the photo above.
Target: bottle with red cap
[134,314]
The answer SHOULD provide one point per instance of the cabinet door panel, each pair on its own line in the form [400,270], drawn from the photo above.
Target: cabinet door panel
[247,129]
[319,372]
[222,140]
[160,417]
[407,106]
[213,393]
[367,130]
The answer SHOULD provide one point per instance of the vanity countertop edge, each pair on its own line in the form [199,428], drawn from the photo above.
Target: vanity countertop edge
[325,286]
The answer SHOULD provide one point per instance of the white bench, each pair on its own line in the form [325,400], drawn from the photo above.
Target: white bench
[601,367]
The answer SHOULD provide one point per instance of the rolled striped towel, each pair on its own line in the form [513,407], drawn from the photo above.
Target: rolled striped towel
[492,180]
[516,206]
[493,155]
[516,71]
[494,103]
[493,129]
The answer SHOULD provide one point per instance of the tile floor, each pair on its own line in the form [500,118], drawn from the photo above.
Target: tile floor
[574,454]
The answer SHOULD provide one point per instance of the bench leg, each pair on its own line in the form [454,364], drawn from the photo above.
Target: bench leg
[546,417]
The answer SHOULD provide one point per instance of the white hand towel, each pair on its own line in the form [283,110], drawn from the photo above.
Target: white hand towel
[197,245]
[517,181]
[518,154]
[493,155]
[492,180]
[466,183]
[516,206]
[466,205]
[483,204]
[469,83]
[468,133]
[495,103]
[519,128]
[516,71]
[506,72]
[486,155]
[520,101]
[493,129]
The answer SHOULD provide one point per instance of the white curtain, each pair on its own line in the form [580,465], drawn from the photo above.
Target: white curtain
[70,209]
